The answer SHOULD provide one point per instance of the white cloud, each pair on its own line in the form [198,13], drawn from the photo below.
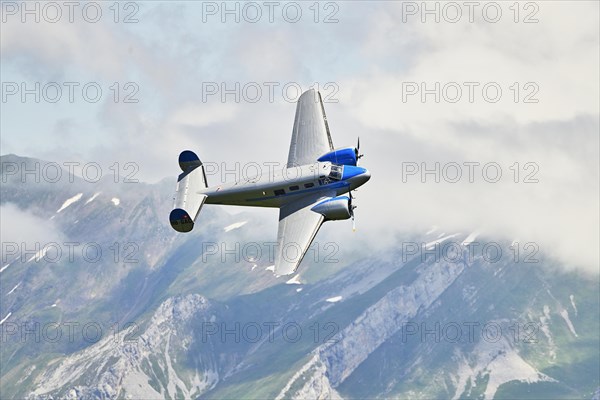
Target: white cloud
[559,134]
[201,115]
[25,231]
[370,53]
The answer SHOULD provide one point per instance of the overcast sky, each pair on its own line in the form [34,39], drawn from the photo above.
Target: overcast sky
[514,89]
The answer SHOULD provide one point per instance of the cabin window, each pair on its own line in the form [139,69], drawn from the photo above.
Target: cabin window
[295,187]
[309,185]
[336,172]
[279,192]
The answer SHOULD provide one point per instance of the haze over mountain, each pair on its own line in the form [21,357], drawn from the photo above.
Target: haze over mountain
[158,314]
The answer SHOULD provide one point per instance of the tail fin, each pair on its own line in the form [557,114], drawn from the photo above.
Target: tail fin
[188,200]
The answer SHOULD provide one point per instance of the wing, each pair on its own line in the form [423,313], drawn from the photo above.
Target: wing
[298,226]
[310,136]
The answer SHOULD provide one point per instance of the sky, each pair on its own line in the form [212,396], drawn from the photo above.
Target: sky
[472,118]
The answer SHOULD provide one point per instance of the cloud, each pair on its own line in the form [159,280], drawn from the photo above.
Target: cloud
[371,54]
[25,231]
[559,133]
[203,115]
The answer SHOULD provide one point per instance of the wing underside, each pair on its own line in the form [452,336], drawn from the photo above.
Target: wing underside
[310,135]
[298,226]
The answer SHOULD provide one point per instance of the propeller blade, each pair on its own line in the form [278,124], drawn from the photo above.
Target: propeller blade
[357,150]
[352,208]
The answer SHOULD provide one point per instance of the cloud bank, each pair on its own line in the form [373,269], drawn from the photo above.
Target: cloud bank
[544,126]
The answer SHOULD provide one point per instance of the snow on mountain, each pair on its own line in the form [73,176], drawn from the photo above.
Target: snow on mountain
[572,298]
[14,288]
[39,254]
[470,239]
[432,244]
[433,229]
[92,198]
[69,201]
[565,315]
[545,328]
[5,318]
[294,281]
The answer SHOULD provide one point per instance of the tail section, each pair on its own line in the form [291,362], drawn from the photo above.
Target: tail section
[188,200]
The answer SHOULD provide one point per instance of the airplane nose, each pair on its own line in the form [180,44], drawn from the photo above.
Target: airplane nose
[363,177]
[366,175]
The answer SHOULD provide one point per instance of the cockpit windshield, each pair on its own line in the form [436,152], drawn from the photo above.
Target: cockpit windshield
[336,172]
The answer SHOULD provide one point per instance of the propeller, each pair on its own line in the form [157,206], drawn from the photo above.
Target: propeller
[357,151]
[352,207]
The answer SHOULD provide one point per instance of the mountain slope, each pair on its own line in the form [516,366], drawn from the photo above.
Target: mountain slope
[182,322]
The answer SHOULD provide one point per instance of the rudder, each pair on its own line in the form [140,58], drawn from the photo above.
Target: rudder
[187,201]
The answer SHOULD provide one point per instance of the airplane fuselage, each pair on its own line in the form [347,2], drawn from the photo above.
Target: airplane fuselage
[279,188]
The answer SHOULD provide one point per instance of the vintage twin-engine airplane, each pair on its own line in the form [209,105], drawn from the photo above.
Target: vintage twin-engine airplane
[308,192]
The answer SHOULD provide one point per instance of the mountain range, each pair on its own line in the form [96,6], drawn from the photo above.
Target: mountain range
[100,298]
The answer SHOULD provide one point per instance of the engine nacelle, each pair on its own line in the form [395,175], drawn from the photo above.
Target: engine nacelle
[336,208]
[345,156]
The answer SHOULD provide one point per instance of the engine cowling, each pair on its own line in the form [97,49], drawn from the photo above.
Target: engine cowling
[336,208]
[345,156]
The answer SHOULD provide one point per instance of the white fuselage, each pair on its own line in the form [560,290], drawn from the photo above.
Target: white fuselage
[277,189]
